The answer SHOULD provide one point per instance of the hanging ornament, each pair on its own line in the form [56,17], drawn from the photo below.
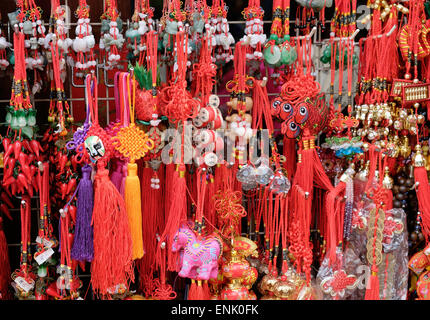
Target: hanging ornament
[133,143]
[98,145]
[254,34]
[84,42]
[222,39]
[112,40]
[142,23]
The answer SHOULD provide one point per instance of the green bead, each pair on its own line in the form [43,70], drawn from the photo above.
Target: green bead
[22,121]
[27,131]
[288,55]
[31,119]
[119,24]
[9,114]
[272,58]
[12,59]
[105,25]
[171,27]
[273,37]
[130,55]
[52,260]
[324,59]
[354,59]
[8,117]
[27,27]
[42,271]
[293,53]
[14,122]
[327,52]
[132,33]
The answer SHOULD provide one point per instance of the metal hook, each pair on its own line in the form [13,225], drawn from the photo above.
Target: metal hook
[389,33]
[73,83]
[351,37]
[92,71]
[308,36]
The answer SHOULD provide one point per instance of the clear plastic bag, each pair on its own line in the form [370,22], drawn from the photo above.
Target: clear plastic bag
[354,261]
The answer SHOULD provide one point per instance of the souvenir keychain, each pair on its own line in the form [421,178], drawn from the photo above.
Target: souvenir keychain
[279,50]
[118,162]
[24,277]
[20,148]
[133,143]
[142,23]
[77,143]
[98,144]
[84,42]
[223,38]
[45,240]
[34,28]
[254,34]
[152,59]
[112,250]
[148,110]
[199,252]
[179,108]
[112,40]
[146,96]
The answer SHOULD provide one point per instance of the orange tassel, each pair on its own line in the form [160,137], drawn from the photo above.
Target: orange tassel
[134,210]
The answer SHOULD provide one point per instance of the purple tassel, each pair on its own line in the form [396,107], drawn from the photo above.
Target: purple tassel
[83,246]
[117,174]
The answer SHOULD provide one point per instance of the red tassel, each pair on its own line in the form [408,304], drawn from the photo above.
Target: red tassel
[210,214]
[331,219]
[170,171]
[206,291]
[112,264]
[389,204]
[373,158]
[423,195]
[4,265]
[197,291]
[152,222]
[289,150]
[192,290]
[261,113]
[177,214]
[372,291]
[309,170]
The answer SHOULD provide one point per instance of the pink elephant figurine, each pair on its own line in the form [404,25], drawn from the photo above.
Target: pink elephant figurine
[199,257]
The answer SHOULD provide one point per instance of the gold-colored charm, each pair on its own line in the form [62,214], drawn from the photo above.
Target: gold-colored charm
[375,236]
[132,142]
